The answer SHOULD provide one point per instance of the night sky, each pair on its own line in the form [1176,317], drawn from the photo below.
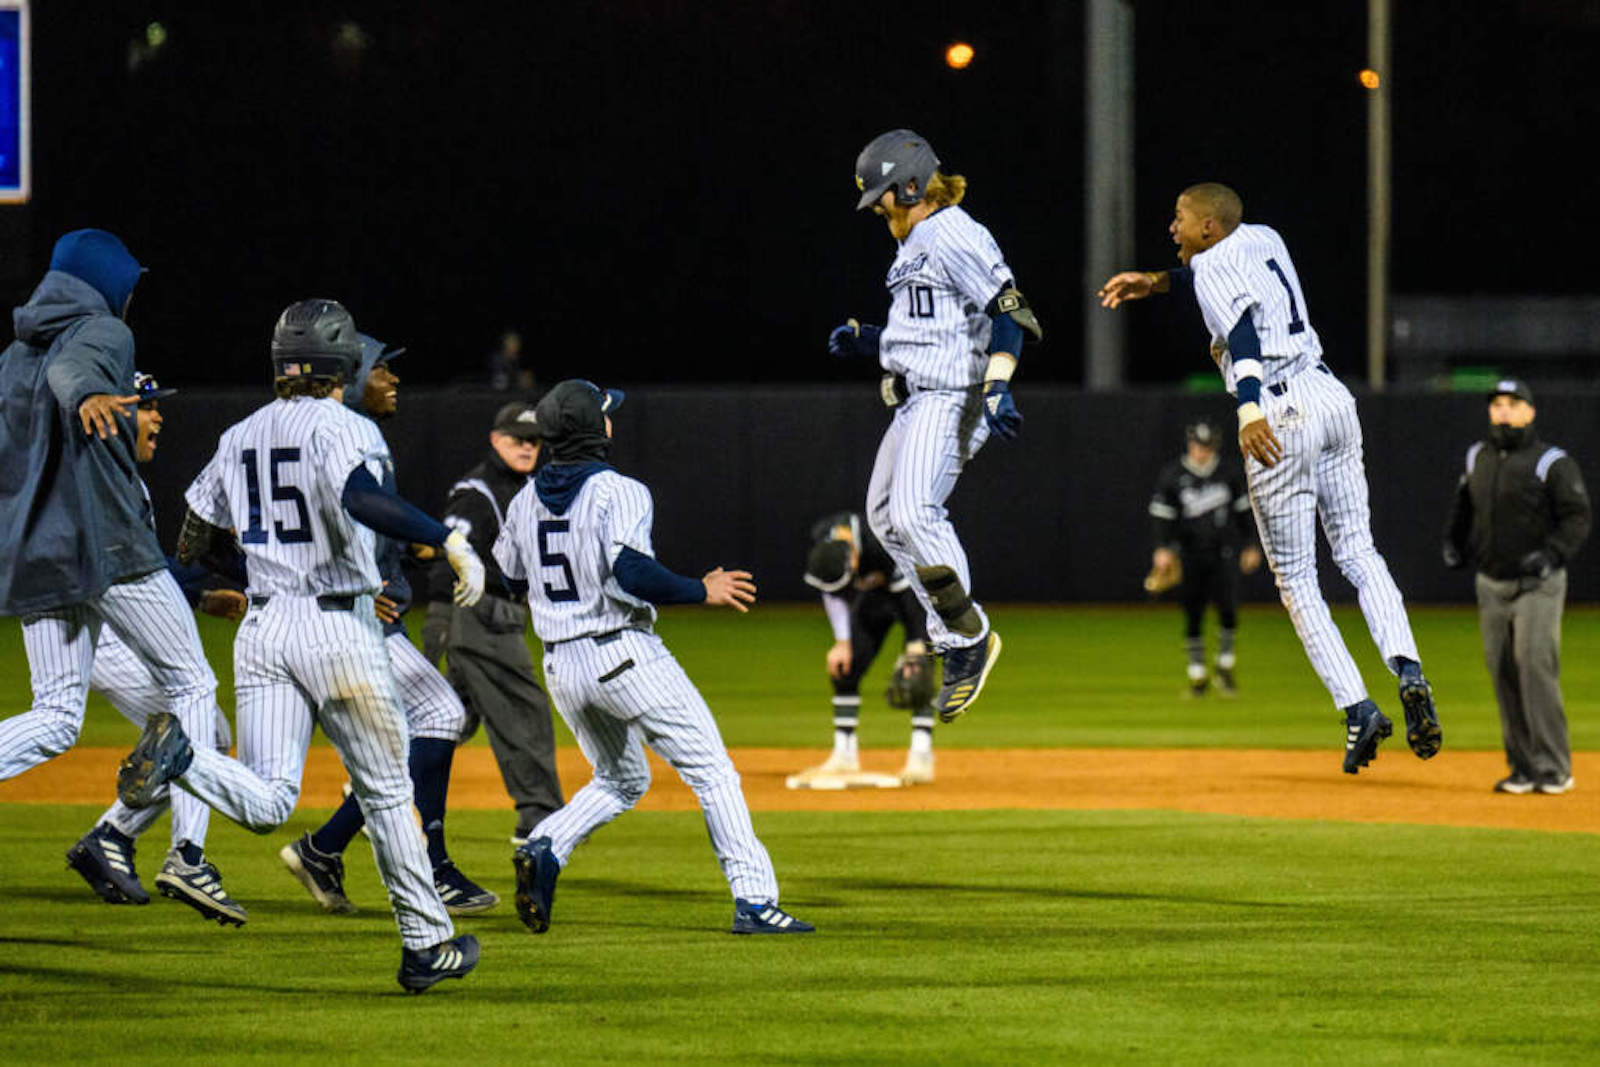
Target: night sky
[661,191]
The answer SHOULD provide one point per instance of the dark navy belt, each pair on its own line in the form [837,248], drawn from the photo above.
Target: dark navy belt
[327,602]
[1279,388]
[599,639]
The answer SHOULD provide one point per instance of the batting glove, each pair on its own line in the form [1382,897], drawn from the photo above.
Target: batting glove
[1000,410]
[468,567]
[854,339]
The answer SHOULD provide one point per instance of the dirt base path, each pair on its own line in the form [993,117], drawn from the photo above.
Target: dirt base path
[1451,790]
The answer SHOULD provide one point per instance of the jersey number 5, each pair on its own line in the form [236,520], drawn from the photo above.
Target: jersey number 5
[282,492]
[550,559]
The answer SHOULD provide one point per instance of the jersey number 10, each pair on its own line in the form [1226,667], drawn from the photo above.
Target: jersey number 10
[282,492]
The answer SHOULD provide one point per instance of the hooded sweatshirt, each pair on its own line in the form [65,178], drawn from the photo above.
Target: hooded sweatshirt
[70,503]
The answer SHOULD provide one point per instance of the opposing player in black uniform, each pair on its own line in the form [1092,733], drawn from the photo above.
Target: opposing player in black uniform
[1203,523]
[864,595]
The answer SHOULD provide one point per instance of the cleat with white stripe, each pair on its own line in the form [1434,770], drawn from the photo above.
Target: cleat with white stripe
[421,968]
[200,887]
[320,873]
[765,918]
[1364,727]
[107,865]
[461,895]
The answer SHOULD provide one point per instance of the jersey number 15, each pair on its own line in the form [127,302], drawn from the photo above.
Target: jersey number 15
[254,532]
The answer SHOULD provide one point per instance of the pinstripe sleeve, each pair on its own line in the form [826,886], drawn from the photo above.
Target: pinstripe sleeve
[973,261]
[1224,290]
[508,545]
[629,514]
[205,495]
[343,444]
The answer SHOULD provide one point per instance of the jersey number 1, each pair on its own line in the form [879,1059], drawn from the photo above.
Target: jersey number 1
[550,559]
[282,492]
[1296,323]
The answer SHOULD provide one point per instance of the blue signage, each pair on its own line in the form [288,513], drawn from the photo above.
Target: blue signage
[13,105]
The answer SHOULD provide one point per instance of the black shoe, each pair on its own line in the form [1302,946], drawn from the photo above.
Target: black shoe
[161,754]
[1364,727]
[1422,721]
[107,865]
[461,895]
[1515,783]
[199,886]
[421,968]
[1225,683]
[965,671]
[1555,784]
[537,871]
[320,873]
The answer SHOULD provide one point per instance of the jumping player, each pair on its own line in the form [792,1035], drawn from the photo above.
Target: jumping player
[300,481]
[104,857]
[1202,526]
[1302,445]
[955,330]
[434,715]
[864,595]
[81,553]
[579,539]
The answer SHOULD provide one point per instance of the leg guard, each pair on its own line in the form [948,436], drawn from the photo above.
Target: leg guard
[950,600]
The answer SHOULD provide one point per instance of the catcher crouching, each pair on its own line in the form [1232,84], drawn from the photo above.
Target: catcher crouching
[864,595]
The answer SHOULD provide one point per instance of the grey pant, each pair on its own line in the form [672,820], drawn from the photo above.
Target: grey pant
[1521,623]
[492,671]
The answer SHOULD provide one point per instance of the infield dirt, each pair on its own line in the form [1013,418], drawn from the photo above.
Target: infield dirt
[1453,789]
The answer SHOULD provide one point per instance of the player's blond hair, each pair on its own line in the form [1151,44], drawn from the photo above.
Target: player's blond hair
[945,189]
[1219,202]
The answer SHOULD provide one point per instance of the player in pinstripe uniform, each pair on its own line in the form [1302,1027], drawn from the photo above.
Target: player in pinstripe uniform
[434,715]
[579,539]
[300,481]
[80,553]
[1302,444]
[955,329]
[104,857]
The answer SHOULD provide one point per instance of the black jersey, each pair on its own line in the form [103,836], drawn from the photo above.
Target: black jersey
[1202,510]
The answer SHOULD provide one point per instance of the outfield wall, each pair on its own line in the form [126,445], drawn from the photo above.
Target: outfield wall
[739,473]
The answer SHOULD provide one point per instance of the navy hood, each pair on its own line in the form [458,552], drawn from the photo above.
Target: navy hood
[59,300]
[102,260]
[372,354]
[558,484]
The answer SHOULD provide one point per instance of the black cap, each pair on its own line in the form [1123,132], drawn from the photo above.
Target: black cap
[148,388]
[1511,387]
[1201,432]
[518,420]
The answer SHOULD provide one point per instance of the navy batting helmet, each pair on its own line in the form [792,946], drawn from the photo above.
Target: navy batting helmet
[315,339]
[896,160]
[1202,432]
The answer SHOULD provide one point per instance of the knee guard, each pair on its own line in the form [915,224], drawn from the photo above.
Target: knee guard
[950,600]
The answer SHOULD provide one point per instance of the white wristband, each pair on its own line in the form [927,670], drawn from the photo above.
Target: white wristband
[1249,413]
[1001,368]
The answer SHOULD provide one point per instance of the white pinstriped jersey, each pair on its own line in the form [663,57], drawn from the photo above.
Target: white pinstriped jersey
[1250,270]
[277,479]
[567,559]
[947,271]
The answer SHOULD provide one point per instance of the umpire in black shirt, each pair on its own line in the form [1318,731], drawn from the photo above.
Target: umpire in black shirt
[1520,513]
[486,650]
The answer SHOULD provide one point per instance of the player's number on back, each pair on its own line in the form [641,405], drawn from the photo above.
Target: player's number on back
[550,559]
[1296,323]
[282,493]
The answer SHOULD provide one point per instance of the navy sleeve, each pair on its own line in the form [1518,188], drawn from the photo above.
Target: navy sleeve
[1005,335]
[191,579]
[643,577]
[1180,277]
[386,513]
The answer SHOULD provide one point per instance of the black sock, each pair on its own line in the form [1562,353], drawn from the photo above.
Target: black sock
[192,853]
[337,833]
[430,784]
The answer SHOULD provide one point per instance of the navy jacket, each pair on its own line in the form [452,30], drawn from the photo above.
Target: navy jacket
[73,517]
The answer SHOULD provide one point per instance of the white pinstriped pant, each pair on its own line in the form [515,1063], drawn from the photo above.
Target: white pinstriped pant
[928,442]
[1322,476]
[620,694]
[295,667]
[123,679]
[431,705]
[153,621]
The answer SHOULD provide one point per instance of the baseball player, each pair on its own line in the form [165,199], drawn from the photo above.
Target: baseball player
[1302,445]
[579,538]
[864,594]
[955,330]
[299,480]
[81,554]
[104,857]
[434,715]
[1203,533]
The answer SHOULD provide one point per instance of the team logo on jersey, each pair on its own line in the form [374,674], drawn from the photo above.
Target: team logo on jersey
[901,271]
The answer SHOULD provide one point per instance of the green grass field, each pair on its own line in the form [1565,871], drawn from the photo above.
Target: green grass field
[945,937]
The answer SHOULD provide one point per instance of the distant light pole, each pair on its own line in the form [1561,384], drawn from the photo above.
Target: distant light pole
[1377,79]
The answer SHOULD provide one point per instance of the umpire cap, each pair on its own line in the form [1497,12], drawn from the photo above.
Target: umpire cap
[894,160]
[1511,387]
[1201,431]
[517,419]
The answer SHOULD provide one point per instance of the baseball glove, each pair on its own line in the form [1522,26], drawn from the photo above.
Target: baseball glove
[912,683]
[1160,579]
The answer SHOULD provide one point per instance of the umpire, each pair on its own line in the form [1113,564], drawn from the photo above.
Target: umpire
[1204,530]
[485,645]
[1520,513]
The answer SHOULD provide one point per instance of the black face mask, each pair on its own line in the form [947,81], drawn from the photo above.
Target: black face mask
[1508,437]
